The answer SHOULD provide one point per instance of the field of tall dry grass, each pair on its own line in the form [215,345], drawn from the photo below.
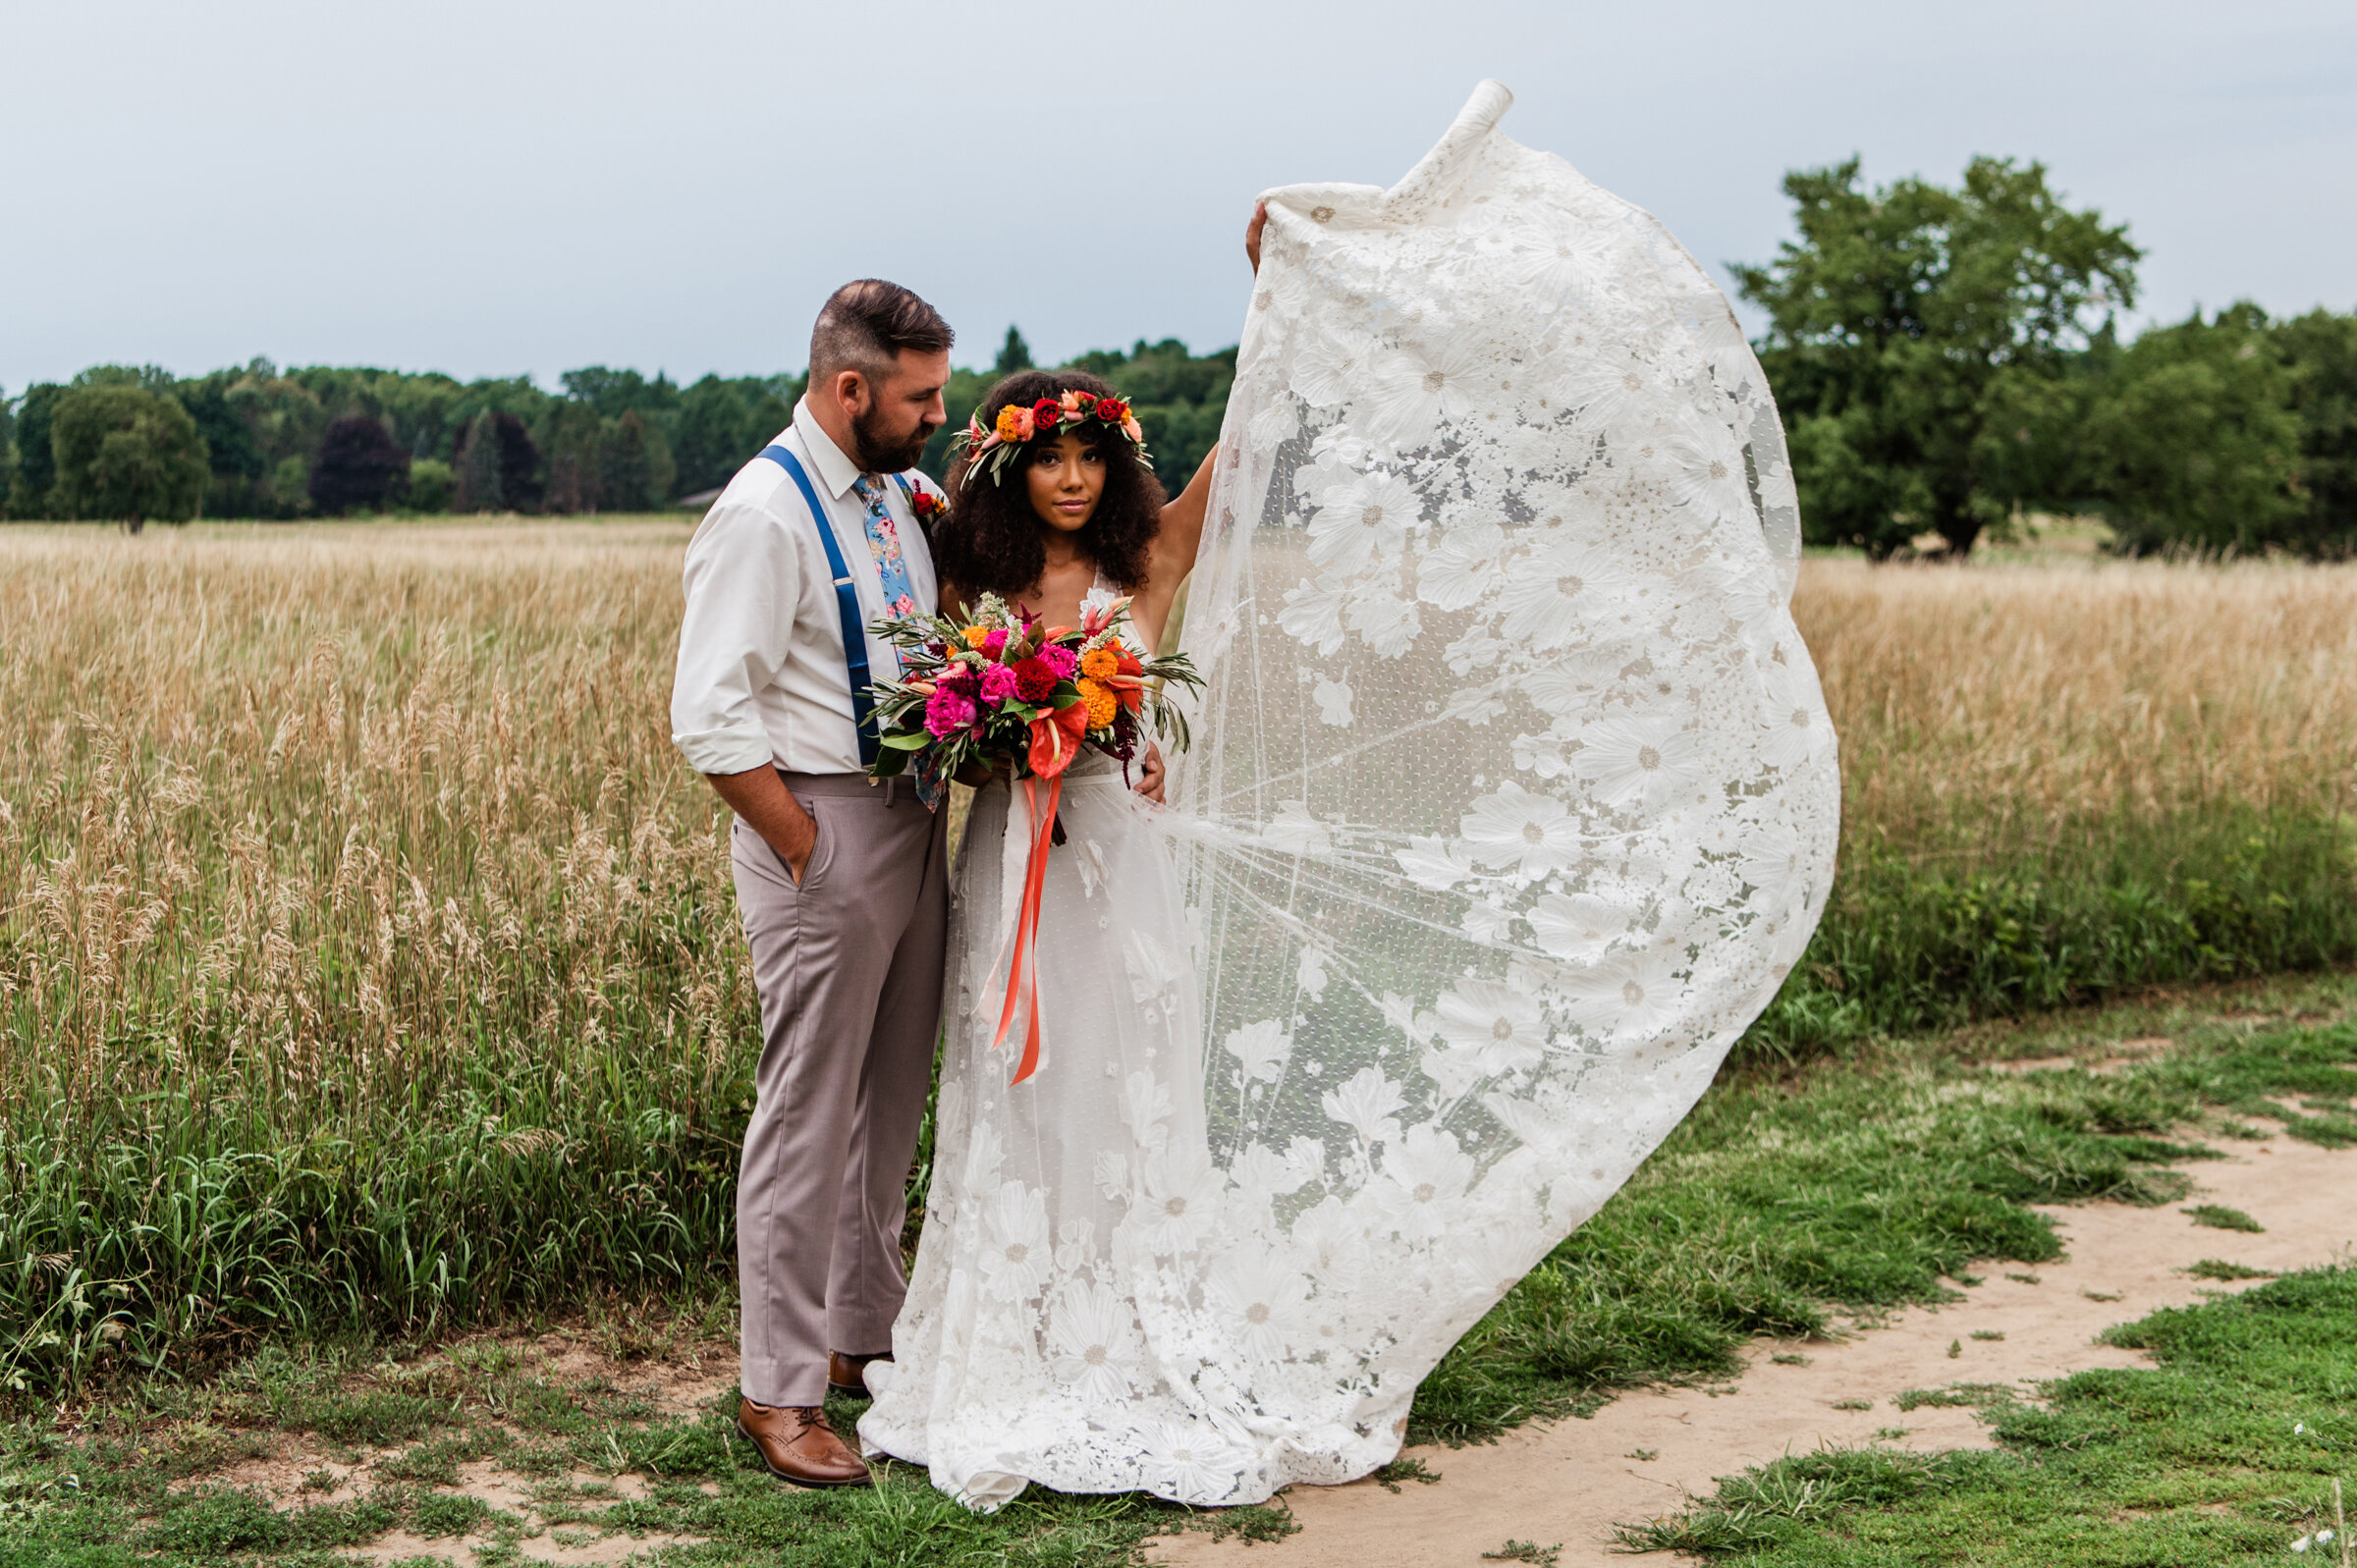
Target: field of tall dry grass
[1981,706]
[367,954]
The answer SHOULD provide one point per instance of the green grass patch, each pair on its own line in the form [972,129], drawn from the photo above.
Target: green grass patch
[2218,1216]
[2224,1453]
[1923,937]
[2218,1268]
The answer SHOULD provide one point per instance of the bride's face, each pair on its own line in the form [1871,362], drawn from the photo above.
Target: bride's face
[1067,476]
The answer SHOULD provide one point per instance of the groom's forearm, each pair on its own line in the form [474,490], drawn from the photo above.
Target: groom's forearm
[769,808]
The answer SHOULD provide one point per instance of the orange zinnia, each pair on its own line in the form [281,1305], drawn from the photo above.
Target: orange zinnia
[1098,662]
[1100,702]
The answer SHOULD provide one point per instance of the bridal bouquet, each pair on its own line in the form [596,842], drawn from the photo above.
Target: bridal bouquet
[994,684]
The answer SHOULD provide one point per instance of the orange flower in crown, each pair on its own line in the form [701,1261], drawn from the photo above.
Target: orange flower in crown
[1017,426]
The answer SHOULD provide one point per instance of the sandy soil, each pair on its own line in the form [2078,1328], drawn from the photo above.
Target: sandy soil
[1641,1455]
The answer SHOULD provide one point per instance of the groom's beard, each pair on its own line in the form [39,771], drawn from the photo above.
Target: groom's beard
[878,453]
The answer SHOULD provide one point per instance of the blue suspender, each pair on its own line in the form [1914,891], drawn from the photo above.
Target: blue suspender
[846,603]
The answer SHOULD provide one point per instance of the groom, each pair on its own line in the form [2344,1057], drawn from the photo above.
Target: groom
[841,883]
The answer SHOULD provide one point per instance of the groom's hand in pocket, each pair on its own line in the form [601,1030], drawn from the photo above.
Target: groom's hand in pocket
[1150,775]
[769,808]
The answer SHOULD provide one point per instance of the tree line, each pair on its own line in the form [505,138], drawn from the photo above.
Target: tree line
[1946,359]
[129,445]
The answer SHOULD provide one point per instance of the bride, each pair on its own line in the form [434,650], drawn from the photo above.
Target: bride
[1023,1334]
[1511,800]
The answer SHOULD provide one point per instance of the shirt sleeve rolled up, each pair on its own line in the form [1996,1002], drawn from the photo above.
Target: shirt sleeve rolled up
[742,584]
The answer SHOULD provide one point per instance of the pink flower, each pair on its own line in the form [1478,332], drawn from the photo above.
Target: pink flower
[1062,660]
[997,684]
[996,643]
[947,713]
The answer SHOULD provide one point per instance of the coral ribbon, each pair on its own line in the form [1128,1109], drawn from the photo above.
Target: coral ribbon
[1026,928]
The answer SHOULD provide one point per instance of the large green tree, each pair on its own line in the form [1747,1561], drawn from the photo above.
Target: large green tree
[634,467]
[721,424]
[2190,439]
[1014,355]
[238,468]
[125,453]
[2321,351]
[476,467]
[37,464]
[1920,340]
[358,466]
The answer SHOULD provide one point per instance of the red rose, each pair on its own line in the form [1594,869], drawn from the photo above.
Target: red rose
[1034,680]
[1112,410]
[1046,413]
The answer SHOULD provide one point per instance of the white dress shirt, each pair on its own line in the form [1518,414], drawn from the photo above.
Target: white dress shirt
[761,679]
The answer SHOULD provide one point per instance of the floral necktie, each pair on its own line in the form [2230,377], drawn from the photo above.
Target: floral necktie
[884,543]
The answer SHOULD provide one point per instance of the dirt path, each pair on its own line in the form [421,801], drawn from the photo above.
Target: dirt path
[1569,1483]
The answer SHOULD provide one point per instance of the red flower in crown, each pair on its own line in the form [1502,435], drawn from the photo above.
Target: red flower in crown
[1046,413]
[1112,410]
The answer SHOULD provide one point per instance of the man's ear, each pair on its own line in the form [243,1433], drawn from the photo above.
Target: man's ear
[851,392]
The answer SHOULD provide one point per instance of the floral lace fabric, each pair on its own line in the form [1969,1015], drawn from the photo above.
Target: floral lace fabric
[1513,800]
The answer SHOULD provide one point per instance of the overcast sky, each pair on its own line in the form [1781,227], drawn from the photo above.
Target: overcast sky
[494,188]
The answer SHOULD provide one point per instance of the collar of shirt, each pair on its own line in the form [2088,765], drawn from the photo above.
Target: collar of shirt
[837,473]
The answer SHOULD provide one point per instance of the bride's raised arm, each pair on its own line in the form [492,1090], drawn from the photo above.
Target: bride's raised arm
[1171,555]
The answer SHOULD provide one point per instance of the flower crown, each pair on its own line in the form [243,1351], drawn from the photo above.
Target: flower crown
[1017,426]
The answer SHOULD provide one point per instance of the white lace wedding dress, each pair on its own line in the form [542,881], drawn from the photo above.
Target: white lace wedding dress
[1513,800]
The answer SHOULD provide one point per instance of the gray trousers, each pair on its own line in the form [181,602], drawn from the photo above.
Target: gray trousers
[849,967]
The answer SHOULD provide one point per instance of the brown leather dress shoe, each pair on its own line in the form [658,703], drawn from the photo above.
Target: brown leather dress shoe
[847,1374]
[796,1444]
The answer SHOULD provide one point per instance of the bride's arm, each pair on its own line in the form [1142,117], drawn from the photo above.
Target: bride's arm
[1172,554]
[1181,527]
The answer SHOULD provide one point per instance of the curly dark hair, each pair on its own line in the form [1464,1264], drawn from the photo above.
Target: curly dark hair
[990,541]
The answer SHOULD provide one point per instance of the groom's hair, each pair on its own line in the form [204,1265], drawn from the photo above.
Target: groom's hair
[865,325]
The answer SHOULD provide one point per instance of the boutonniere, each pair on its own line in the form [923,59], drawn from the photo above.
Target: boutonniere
[927,506]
